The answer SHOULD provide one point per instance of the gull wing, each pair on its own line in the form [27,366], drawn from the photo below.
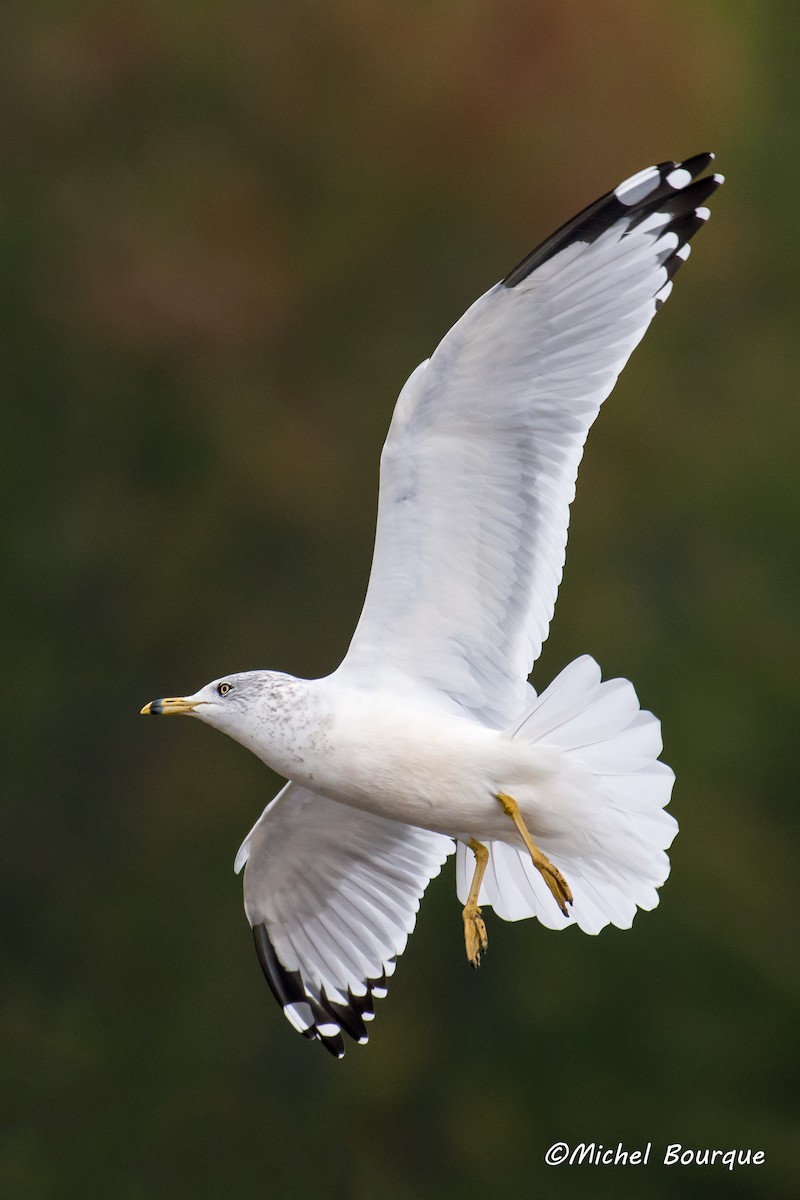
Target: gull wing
[332,894]
[479,467]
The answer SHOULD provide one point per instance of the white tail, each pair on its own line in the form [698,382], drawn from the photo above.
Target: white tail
[612,832]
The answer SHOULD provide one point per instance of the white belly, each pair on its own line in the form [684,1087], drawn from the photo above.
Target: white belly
[427,768]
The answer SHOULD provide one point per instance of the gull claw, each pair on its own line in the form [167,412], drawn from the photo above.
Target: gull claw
[475,935]
[562,893]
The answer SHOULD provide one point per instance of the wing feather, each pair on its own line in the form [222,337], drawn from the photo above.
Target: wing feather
[332,895]
[479,467]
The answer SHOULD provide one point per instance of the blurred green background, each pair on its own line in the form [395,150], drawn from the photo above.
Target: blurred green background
[228,232]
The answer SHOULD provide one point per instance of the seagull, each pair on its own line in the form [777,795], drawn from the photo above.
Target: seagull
[429,738]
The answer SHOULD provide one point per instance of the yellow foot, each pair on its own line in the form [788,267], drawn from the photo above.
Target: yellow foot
[556,882]
[474,934]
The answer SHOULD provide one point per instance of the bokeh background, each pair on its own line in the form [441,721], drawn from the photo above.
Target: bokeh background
[228,232]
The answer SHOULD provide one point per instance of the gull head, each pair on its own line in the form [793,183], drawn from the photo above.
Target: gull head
[230,703]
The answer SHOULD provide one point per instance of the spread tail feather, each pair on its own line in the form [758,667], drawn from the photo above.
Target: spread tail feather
[609,834]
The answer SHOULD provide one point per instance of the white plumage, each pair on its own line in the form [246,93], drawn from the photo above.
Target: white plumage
[429,730]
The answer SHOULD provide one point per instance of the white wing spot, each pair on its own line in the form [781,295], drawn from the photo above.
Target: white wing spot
[632,191]
[328,1030]
[679,178]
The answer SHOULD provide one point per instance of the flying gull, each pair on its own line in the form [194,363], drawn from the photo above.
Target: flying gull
[428,738]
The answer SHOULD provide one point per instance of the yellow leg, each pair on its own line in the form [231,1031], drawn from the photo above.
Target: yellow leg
[551,875]
[474,927]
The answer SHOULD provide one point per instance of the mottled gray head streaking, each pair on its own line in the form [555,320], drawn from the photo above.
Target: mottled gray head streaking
[256,708]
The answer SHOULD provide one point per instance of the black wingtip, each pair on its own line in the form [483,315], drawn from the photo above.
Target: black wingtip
[698,163]
[301,1010]
[334,1045]
[348,1016]
[668,186]
[316,1015]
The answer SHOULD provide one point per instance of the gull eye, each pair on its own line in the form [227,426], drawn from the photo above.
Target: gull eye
[224,688]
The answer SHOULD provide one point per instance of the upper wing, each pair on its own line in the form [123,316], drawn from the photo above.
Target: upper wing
[479,466]
[332,895]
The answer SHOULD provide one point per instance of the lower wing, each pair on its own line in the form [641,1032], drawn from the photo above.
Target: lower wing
[332,894]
